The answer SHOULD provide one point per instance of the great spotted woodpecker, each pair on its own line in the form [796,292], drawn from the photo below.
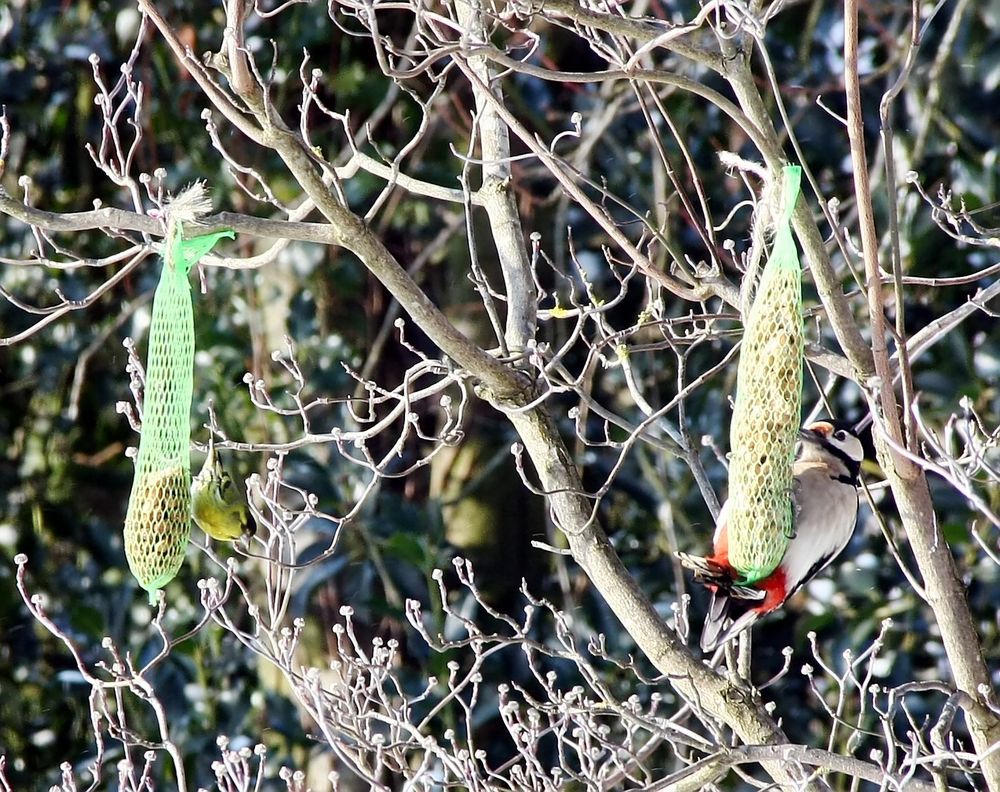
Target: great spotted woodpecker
[826,470]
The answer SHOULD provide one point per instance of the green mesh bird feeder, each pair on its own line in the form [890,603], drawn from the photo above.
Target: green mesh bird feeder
[768,407]
[158,520]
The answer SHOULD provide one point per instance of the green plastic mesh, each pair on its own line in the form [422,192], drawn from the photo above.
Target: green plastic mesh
[158,521]
[768,408]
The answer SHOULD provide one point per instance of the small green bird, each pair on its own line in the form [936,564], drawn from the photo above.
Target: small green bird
[217,506]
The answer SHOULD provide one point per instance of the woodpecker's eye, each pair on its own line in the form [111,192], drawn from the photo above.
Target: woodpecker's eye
[841,435]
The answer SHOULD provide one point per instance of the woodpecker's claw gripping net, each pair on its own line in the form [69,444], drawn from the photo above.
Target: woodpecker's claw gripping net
[158,521]
[768,407]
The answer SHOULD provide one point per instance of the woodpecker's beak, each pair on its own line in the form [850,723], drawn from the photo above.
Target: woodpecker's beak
[816,432]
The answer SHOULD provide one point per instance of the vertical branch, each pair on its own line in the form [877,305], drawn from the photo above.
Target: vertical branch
[497,191]
[885,108]
[869,237]
[945,592]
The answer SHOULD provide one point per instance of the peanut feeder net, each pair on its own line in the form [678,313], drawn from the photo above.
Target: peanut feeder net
[158,520]
[768,407]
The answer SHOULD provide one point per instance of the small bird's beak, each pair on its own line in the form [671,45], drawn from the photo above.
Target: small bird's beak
[211,461]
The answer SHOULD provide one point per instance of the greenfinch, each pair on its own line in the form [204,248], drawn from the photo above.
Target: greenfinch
[217,505]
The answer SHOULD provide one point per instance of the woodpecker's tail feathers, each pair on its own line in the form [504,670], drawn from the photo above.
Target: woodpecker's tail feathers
[712,636]
[722,624]
[729,611]
[715,621]
[720,628]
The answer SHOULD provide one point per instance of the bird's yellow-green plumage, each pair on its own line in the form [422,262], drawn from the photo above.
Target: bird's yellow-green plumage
[217,505]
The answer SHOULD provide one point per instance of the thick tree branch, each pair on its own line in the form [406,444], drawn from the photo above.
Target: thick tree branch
[710,691]
[869,238]
[124,220]
[645,31]
[944,589]
[711,769]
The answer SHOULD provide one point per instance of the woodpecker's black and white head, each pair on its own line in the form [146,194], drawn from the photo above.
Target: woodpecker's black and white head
[837,447]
